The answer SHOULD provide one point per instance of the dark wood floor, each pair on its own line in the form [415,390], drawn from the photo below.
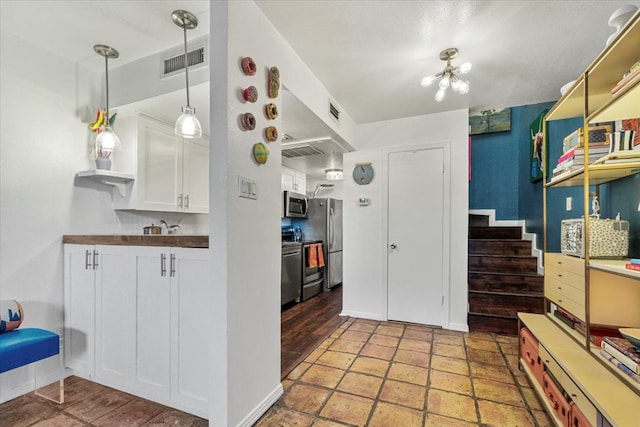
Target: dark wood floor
[305,325]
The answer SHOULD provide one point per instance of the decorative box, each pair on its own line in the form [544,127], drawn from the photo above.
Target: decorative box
[608,238]
[597,135]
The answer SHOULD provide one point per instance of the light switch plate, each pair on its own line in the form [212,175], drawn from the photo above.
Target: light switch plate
[569,203]
[247,187]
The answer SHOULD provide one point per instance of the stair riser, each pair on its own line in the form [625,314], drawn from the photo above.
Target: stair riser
[478,220]
[482,263]
[495,232]
[493,324]
[500,247]
[516,303]
[506,283]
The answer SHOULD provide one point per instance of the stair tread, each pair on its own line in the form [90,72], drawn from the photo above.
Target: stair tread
[503,256]
[503,313]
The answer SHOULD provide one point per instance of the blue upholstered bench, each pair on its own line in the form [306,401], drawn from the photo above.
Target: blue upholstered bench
[21,347]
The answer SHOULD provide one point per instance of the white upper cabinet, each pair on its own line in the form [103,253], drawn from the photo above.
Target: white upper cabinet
[172,173]
[293,180]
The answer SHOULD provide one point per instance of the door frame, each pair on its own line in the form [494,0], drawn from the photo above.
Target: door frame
[446,229]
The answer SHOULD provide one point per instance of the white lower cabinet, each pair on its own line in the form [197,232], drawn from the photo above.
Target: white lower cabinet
[148,320]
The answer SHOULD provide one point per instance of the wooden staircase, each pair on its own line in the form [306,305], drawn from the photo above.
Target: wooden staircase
[503,278]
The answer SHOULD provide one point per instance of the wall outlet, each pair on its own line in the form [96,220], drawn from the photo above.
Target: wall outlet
[569,203]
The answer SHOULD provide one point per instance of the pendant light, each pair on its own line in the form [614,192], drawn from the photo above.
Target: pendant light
[187,124]
[107,140]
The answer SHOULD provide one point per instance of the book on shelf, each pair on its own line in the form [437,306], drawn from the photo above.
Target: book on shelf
[565,317]
[632,266]
[621,140]
[634,260]
[626,81]
[624,351]
[621,366]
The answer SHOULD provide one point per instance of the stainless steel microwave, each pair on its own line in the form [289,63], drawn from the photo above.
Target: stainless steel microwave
[295,205]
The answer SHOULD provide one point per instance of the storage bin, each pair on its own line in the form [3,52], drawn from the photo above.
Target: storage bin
[529,351]
[556,399]
[608,238]
[598,135]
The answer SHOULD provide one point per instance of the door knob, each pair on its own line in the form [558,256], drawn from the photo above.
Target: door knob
[393,246]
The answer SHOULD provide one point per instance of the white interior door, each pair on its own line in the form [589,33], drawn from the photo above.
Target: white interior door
[416,236]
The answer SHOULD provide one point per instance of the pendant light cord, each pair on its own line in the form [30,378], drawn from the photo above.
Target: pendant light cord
[106,68]
[186,62]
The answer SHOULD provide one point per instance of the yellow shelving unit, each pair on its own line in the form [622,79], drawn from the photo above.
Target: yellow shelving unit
[609,293]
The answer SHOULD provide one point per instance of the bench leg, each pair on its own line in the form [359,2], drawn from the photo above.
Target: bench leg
[50,390]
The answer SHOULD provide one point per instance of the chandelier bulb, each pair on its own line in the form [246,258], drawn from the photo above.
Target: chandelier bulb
[426,81]
[465,68]
[444,83]
[440,95]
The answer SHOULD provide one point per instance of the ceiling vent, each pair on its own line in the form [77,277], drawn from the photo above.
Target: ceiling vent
[175,64]
[310,147]
[300,151]
[334,113]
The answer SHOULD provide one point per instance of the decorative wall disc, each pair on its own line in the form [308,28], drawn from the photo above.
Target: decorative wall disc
[248,121]
[248,66]
[250,94]
[271,111]
[271,133]
[274,82]
[260,153]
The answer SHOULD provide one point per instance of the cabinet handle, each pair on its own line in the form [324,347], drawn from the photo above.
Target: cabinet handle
[95,259]
[180,201]
[172,265]
[163,265]
[87,263]
[186,201]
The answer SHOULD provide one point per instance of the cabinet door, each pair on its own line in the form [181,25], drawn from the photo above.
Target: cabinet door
[301,183]
[152,326]
[195,173]
[189,308]
[115,315]
[159,180]
[79,297]
[288,179]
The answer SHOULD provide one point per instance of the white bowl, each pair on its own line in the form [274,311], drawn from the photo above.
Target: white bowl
[566,87]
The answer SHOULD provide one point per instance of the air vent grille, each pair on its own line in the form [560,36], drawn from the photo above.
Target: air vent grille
[176,63]
[334,112]
[300,151]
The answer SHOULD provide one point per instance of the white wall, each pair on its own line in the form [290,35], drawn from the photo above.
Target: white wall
[245,242]
[365,236]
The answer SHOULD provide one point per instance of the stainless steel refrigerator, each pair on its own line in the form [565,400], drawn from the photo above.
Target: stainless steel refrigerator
[324,222]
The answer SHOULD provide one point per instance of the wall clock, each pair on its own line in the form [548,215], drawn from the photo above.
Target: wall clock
[363,173]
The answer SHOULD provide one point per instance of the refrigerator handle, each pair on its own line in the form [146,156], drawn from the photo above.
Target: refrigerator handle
[331,226]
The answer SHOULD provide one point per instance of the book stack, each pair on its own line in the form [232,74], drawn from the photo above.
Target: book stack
[621,140]
[633,264]
[629,78]
[573,159]
[621,353]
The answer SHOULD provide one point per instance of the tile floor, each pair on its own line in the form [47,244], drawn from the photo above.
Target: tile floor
[91,404]
[367,373]
[387,374]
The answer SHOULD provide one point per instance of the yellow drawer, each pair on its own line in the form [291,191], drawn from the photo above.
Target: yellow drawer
[565,276]
[564,262]
[569,386]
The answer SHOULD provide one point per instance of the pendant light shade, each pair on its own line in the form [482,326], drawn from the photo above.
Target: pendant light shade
[107,140]
[187,124]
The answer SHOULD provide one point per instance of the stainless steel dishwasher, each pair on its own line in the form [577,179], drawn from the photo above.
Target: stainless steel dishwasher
[291,284]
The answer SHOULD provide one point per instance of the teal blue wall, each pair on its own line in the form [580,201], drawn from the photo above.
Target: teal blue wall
[500,180]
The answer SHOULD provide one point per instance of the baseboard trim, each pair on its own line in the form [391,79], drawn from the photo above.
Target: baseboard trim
[363,315]
[263,407]
[461,327]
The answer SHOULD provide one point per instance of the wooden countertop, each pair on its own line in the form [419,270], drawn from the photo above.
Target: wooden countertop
[176,240]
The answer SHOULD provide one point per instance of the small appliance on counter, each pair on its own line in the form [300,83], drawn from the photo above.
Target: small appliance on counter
[152,229]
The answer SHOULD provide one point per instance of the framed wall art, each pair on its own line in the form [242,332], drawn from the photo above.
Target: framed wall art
[489,120]
[537,149]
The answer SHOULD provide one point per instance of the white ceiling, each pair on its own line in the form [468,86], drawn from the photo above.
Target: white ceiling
[370,55]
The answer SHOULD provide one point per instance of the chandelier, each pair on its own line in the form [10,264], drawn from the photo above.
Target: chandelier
[449,76]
